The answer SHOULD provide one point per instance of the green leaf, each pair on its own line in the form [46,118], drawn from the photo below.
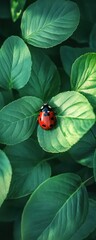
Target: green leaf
[5,176]
[1,100]
[44,77]
[74,118]
[46,23]
[94,165]
[17,229]
[87,19]
[56,209]
[16,8]
[18,119]
[89,224]
[83,151]
[29,168]
[15,63]
[8,212]
[69,55]
[83,75]
[92,40]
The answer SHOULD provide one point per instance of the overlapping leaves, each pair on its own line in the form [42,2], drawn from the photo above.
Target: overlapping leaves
[44,76]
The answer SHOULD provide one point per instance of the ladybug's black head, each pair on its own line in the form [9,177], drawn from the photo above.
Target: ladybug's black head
[46,108]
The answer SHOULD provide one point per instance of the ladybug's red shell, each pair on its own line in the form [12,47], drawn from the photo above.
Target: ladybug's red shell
[46,118]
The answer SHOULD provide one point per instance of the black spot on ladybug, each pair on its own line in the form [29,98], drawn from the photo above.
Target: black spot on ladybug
[40,119]
[43,125]
[52,118]
[51,125]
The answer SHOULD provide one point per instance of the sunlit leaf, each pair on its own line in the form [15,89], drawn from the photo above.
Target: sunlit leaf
[74,116]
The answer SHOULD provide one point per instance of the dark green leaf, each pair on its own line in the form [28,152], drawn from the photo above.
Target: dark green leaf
[4,9]
[74,118]
[56,209]
[45,81]
[69,55]
[89,224]
[6,231]
[5,176]
[15,63]
[87,19]
[8,212]
[83,151]
[17,229]
[92,40]
[18,119]
[46,23]
[94,165]
[1,100]
[29,168]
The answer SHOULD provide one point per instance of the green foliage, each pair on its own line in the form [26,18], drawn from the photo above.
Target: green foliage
[45,74]
[15,62]
[57,220]
[46,24]
[18,119]
[48,177]
[72,122]
[16,8]
[29,170]
[5,176]
[84,79]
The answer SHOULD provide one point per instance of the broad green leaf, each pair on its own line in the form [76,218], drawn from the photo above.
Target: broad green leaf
[89,224]
[29,168]
[44,81]
[16,8]
[46,23]
[56,209]
[18,120]
[94,165]
[74,116]
[5,176]
[83,151]
[83,75]
[15,63]
[69,55]
[92,40]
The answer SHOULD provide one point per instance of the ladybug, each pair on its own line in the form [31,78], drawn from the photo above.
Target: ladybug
[46,118]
